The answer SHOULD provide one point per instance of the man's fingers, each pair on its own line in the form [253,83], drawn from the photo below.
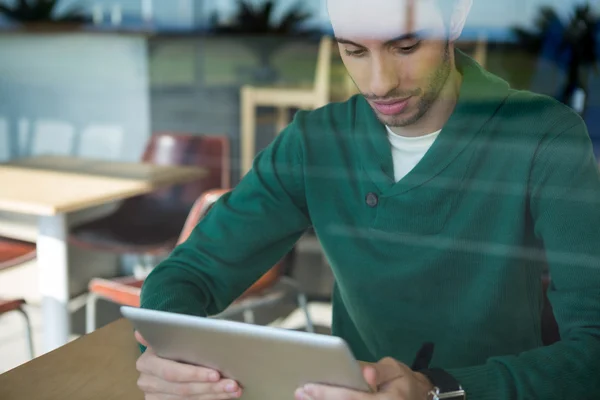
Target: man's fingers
[140,339]
[224,396]
[173,371]
[225,389]
[389,369]
[161,396]
[322,392]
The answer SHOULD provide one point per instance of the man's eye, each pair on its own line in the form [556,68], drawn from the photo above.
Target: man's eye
[408,49]
[354,53]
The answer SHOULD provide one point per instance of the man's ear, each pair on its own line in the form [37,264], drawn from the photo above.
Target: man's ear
[460,12]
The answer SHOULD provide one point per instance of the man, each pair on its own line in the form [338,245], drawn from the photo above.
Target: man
[440,196]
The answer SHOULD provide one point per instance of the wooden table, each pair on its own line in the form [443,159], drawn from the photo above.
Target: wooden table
[50,187]
[98,366]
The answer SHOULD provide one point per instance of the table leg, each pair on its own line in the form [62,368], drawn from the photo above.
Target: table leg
[52,259]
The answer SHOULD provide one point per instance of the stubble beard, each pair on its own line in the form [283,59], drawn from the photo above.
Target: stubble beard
[431,94]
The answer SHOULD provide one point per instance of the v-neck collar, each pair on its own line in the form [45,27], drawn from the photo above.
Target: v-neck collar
[481,94]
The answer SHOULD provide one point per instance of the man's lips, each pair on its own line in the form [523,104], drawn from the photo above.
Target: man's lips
[391,107]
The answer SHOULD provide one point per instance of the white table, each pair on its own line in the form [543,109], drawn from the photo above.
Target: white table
[52,187]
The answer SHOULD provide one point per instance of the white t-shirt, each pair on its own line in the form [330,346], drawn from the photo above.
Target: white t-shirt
[408,151]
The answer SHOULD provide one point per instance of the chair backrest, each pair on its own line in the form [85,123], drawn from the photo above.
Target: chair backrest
[477,49]
[52,137]
[101,142]
[199,210]
[480,53]
[323,71]
[209,152]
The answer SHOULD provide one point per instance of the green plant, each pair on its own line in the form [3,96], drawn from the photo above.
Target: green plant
[580,37]
[533,40]
[255,27]
[258,20]
[40,11]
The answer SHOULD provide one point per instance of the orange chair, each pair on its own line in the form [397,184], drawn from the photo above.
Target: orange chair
[13,253]
[17,305]
[269,289]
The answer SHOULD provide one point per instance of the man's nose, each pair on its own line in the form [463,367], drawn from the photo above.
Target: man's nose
[384,78]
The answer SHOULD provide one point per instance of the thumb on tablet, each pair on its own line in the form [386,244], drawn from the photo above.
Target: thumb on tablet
[141,339]
[370,375]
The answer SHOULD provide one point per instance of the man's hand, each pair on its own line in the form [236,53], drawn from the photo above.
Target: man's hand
[389,380]
[162,379]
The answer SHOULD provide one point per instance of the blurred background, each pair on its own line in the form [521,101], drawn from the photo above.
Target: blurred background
[103,88]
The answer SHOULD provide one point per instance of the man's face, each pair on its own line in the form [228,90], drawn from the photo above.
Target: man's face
[398,55]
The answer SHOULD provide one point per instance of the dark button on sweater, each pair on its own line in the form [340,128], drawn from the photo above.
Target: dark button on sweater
[372,200]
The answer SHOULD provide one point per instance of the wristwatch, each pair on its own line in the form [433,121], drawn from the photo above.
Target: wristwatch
[446,387]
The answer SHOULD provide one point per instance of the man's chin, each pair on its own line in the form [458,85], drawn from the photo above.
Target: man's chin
[398,120]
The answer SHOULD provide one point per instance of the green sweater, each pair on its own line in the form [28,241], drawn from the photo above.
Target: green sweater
[453,253]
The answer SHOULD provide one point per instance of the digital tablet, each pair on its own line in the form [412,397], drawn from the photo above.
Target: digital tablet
[268,362]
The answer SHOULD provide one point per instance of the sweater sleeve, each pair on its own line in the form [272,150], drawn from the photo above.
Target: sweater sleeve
[564,196]
[245,233]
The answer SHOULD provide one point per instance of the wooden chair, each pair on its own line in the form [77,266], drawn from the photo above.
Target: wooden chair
[127,290]
[13,253]
[16,305]
[283,99]
[476,48]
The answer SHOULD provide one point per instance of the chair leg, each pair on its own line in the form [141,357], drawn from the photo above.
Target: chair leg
[303,304]
[140,267]
[302,301]
[90,313]
[149,261]
[28,333]
[249,316]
